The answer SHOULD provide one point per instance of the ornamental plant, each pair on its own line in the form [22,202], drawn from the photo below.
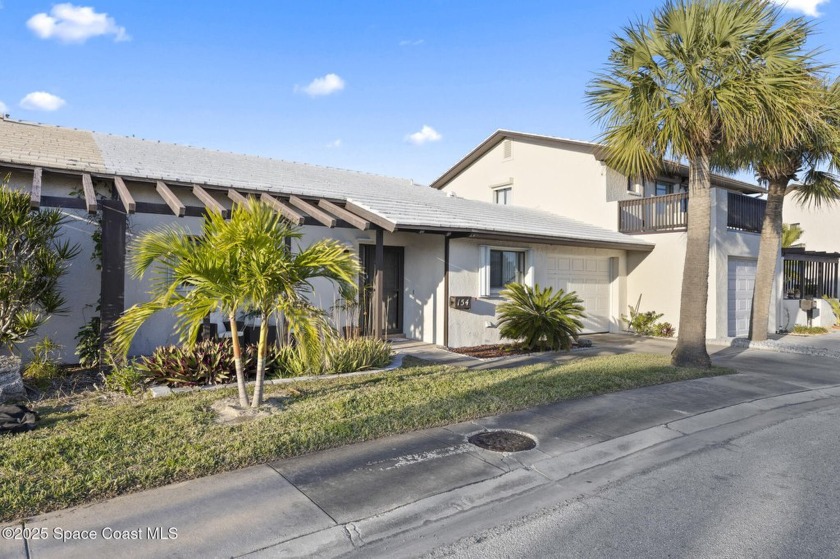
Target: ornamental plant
[32,261]
[540,319]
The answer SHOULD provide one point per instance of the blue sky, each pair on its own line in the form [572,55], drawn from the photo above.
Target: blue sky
[339,83]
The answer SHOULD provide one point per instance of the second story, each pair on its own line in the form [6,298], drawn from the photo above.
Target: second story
[571,178]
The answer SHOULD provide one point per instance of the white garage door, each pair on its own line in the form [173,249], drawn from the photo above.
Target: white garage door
[741,284]
[590,278]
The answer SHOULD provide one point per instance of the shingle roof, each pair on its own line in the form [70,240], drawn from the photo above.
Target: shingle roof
[400,201]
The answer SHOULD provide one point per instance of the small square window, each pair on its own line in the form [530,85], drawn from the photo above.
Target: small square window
[506,266]
[663,188]
[502,196]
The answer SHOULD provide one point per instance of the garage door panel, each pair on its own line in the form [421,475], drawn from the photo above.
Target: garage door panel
[741,282]
[590,279]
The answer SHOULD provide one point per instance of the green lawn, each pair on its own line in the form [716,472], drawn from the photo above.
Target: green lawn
[97,448]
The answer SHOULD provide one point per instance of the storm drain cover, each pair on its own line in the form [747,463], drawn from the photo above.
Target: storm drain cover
[503,441]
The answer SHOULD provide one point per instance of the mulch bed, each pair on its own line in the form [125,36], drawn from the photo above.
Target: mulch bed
[491,350]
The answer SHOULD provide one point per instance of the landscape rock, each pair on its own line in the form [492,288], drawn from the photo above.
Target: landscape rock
[11,383]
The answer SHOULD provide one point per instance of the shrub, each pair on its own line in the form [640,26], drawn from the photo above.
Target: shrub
[540,318]
[207,362]
[340,356]
[357,354]
[809,330]
[645,324]
[87,348]
[32,261]
[44,367]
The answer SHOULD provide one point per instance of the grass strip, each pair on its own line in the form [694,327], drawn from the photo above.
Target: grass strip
[98,449]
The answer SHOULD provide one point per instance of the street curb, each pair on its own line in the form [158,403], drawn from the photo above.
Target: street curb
[773,345]
[357,534]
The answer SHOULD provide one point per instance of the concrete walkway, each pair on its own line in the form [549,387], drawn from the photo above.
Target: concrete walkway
[370,497]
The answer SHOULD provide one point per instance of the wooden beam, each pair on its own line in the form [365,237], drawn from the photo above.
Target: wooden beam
[125,196]
[284,210]
[341,213]
[209,202]
[237,197]
[174,203]
[323,217]
[35,194]
[370,216]
[90,194]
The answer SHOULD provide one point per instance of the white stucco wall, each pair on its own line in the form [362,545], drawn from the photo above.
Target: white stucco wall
[657,277]
[792,315]
[564,181]
[479,324]
[821,227]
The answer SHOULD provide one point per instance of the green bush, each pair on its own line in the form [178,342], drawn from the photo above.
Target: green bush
[207,362]
[44,367]
[340,356]
[809,330]
[645,324]
[357,354]
[540,318]
[87,348]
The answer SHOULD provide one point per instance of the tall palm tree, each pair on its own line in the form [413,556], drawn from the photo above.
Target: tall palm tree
[191,275]
[274,279]
[814,157]
[701,78]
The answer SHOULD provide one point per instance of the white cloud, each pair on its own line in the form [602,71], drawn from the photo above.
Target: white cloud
[807,7]
[3,108]
[42,101]
[426,134]
[414,43]
[335,143]
[323,86]
[75,24]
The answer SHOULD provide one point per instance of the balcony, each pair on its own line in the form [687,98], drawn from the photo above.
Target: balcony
[665,214]
[657,214]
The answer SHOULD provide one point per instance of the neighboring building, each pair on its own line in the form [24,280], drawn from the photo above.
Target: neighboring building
[569,178]
[437,250]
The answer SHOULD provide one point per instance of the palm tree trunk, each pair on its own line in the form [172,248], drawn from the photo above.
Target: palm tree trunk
[768,257]
[237,360]
[262,352]
[691,342]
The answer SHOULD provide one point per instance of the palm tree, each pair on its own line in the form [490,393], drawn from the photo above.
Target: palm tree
[191,275]
[274,279]
[814,157]
[791,235]
[701,78]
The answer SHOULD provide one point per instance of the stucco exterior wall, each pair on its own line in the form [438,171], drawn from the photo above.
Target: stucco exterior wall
[563,181]
[479,325]
[821,227]
[657,276]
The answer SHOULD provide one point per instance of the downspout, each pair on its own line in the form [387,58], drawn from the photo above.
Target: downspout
[446,290]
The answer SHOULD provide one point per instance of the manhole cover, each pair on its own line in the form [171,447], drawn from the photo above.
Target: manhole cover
[503,441]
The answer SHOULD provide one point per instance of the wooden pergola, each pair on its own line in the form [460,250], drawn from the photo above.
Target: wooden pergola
[299,210]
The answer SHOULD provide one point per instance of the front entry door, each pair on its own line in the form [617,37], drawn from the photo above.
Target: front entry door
[393,287]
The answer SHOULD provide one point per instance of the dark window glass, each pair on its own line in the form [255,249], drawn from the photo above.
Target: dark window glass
[506,266]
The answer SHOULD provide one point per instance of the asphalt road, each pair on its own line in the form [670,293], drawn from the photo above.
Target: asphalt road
[770,493]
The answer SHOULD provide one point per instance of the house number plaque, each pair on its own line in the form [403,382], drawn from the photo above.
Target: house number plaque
[462,303]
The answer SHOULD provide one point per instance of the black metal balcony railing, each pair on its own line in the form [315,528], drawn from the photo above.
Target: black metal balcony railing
[655,214]
[660,214]
[745,213]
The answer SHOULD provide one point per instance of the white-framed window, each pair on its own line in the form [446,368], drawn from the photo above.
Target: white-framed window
[503,265]
[503,196]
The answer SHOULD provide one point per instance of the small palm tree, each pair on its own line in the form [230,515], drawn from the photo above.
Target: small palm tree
[274,279]
[791,235]
[701,78]
[191,275]
[540,318]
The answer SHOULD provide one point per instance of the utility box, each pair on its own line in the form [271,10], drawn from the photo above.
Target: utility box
[460,303]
